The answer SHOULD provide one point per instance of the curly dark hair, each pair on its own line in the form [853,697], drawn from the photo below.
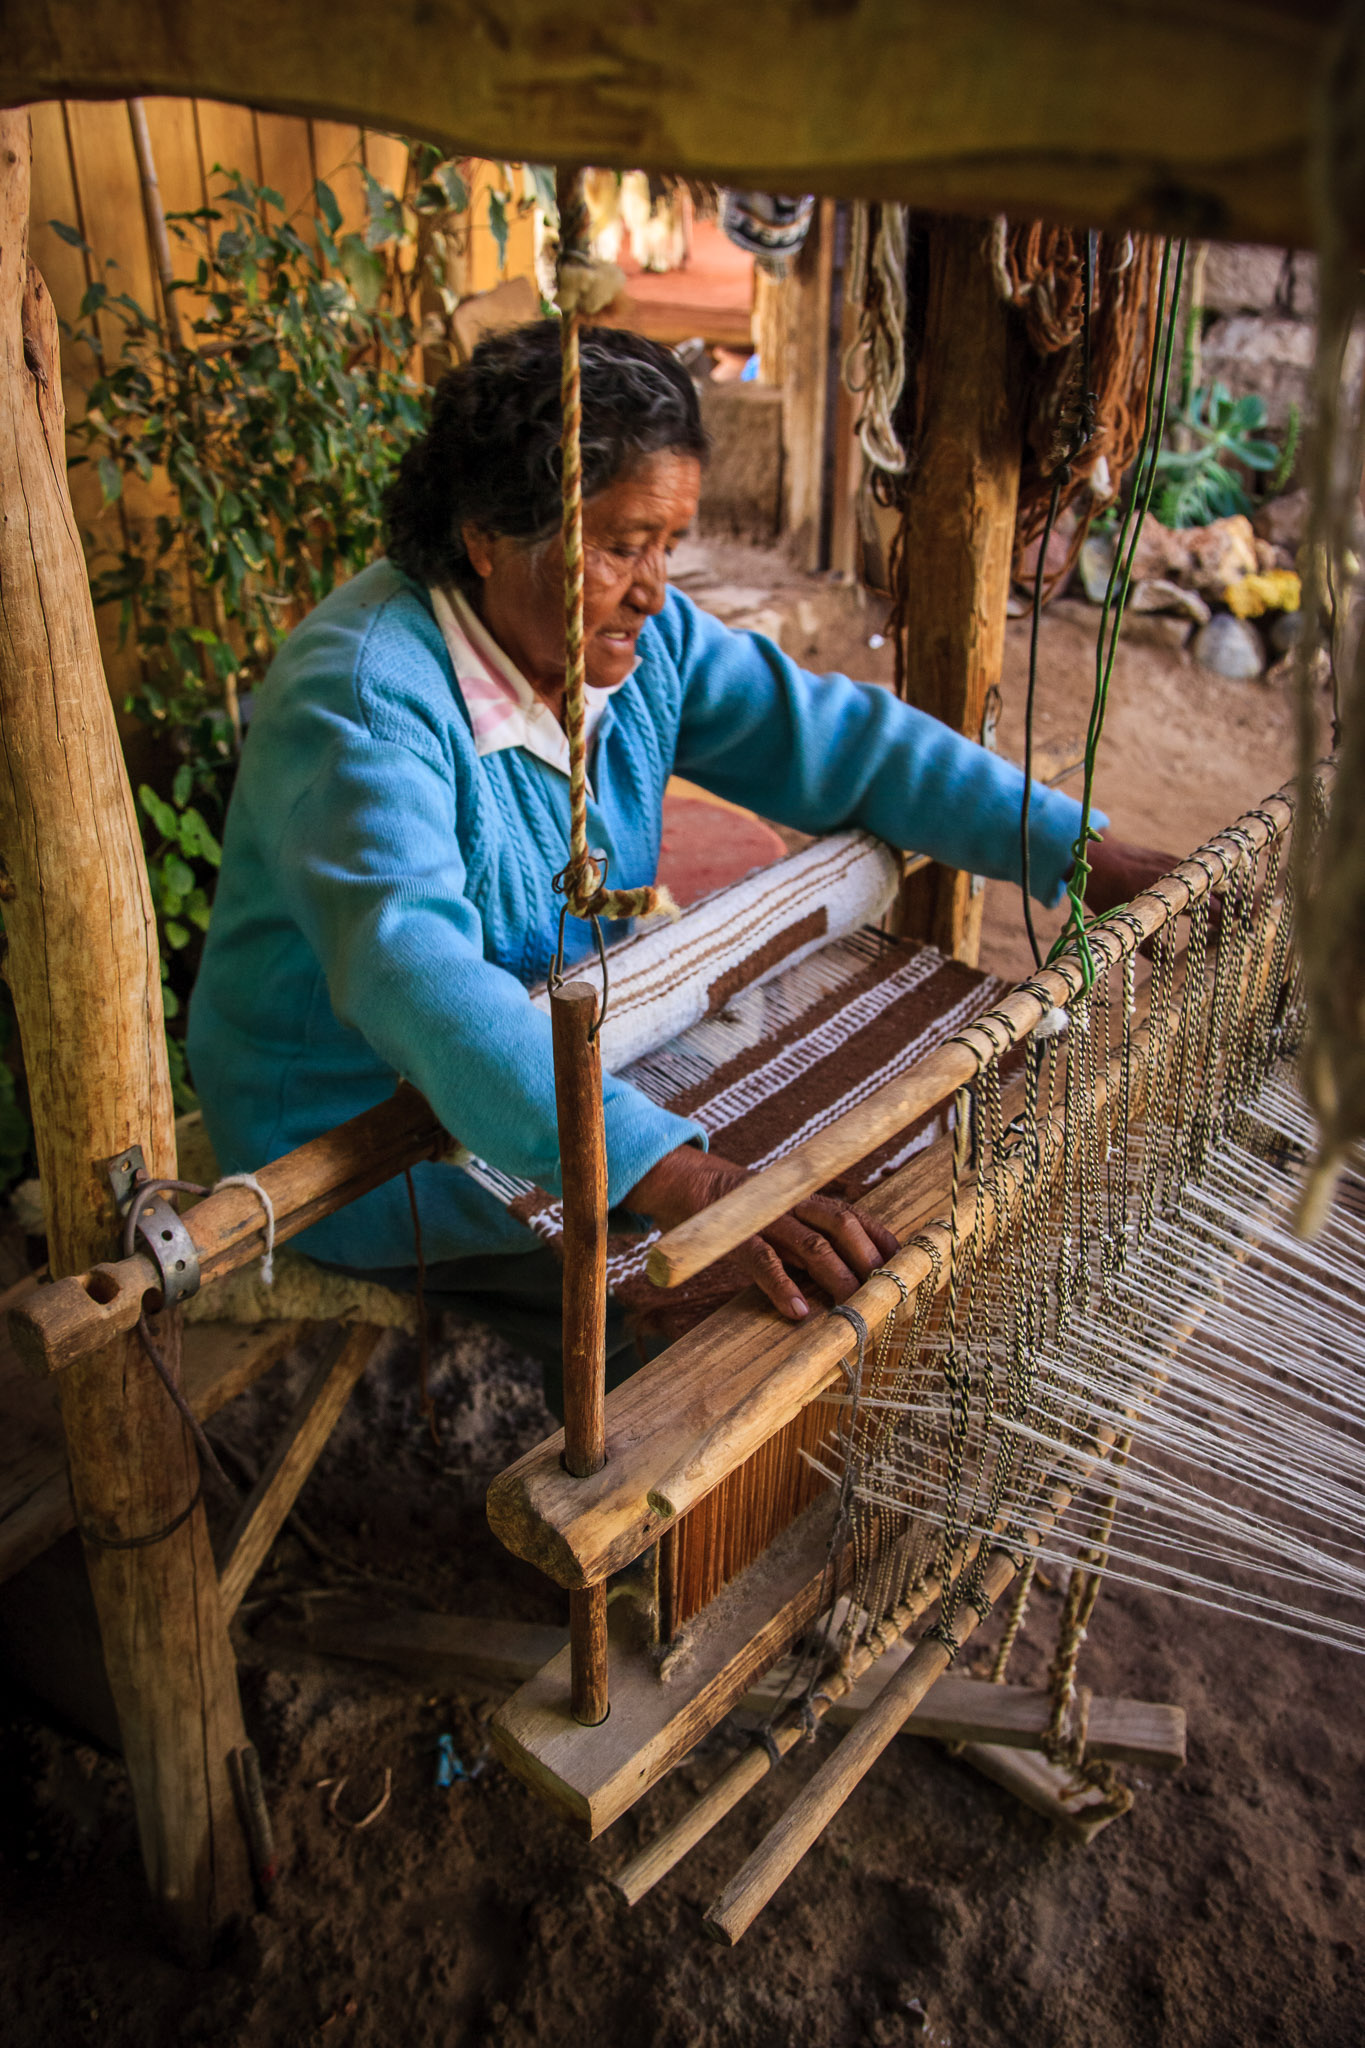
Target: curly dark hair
[490,454]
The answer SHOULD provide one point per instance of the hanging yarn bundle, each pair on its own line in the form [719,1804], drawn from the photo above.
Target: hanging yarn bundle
[585,286]
[1039,270]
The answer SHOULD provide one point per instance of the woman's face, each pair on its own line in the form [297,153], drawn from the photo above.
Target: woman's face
[629,531]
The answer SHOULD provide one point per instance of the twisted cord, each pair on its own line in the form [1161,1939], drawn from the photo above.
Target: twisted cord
[582,880]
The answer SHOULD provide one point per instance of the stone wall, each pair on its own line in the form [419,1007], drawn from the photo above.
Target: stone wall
[1260,305]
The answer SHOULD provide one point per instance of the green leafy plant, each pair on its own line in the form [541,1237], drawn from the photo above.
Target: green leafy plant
[1196,479]
[267,436]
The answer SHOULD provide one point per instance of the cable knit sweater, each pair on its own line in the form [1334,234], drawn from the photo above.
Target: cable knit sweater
[385,898]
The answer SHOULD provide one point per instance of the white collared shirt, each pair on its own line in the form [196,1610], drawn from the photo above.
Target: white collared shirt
[504,711]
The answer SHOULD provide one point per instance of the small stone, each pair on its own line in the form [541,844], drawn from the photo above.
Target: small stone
[1283,521]
[1160,630]
[1285,631]
[1231,648]
[1159,594]
[1096,564]
[1221,553]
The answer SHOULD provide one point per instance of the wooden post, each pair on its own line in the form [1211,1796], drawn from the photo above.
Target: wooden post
[805,390]
[959,533]
[583,1169]
[84,970]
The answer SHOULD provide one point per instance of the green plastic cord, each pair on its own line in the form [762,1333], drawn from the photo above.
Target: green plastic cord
[1075,931]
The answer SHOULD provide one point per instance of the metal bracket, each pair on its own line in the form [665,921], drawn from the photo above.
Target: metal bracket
[172,1249]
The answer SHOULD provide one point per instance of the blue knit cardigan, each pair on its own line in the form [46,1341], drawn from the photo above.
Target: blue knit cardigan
[385,898]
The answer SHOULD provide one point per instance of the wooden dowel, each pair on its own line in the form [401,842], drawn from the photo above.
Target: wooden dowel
[156,221]
[263,1513]
[583,1175]
[583,1171]
[760,1200]
[62,1323]
[588,1654]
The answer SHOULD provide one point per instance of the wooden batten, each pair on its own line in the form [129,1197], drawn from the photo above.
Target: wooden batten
[85,975]
[593,1775]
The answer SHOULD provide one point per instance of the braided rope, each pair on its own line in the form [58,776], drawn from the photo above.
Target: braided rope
[583,881]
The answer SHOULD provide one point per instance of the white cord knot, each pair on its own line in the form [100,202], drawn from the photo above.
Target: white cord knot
[587,284]
[249,1180]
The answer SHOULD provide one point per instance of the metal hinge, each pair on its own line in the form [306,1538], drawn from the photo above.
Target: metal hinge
[163,1233]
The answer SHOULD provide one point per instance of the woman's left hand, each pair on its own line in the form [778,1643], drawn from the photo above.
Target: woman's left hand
[1119,871]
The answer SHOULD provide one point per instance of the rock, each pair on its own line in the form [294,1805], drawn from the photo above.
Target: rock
[1058,547]
[1285,631]
[1246,277]
[1220,553]
[1230,648]
[1096,564]
[1159,594]
[1283,521]
[1161,552]
[1272,590]
[1273,358]
[1159,630]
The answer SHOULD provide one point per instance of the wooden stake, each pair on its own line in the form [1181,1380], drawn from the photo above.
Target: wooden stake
[583,1173]
[85,974]
[959,533]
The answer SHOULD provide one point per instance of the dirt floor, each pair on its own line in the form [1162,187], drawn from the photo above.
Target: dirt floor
[1224,1909]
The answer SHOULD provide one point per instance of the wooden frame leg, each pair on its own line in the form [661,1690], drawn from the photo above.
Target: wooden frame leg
[83,968]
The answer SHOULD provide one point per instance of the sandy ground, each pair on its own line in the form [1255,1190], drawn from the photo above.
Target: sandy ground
[1223,1910]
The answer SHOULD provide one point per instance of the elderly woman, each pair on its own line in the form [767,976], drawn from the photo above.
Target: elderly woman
[403,804]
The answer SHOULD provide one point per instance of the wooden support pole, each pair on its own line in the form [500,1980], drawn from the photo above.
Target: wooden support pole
[959,533]
[583,1176]
[84,970]
[263,1513]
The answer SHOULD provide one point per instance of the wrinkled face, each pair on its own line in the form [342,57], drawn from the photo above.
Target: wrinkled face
[629,531]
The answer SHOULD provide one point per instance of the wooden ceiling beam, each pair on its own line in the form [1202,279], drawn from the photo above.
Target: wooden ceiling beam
[1184,115]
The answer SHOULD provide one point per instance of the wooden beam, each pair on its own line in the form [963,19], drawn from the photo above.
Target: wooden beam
[62,1323]
[85,975]
[1191,115]
[756,1202]
[1145,1733]
[434,1650]
[316,1416]
[967,441]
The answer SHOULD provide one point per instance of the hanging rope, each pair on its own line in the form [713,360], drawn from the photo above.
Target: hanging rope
[584,286]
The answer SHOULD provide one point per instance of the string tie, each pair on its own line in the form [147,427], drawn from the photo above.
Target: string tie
[249,1180]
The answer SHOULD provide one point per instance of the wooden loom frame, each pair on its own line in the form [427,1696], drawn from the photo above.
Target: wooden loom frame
[1223,148]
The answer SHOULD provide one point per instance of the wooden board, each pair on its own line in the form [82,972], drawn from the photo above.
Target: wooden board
[1189,114]
[220,1361]
[594,1775]
[435,1650]
[1046,1788]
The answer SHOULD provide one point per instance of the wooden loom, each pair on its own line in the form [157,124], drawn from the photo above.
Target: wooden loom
[703,1450]
[1226,149]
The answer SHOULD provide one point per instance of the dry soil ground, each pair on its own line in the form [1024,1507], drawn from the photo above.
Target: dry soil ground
[1223,1911]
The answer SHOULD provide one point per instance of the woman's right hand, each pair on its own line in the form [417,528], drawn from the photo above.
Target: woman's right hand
[836,1245]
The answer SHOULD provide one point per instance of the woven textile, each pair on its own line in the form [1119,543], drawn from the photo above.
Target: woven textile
[780,1062]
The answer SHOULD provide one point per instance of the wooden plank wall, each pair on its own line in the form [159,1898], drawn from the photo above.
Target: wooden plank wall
[85,175]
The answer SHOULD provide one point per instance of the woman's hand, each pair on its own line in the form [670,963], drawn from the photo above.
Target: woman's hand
[834,1244]
[1120,871]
